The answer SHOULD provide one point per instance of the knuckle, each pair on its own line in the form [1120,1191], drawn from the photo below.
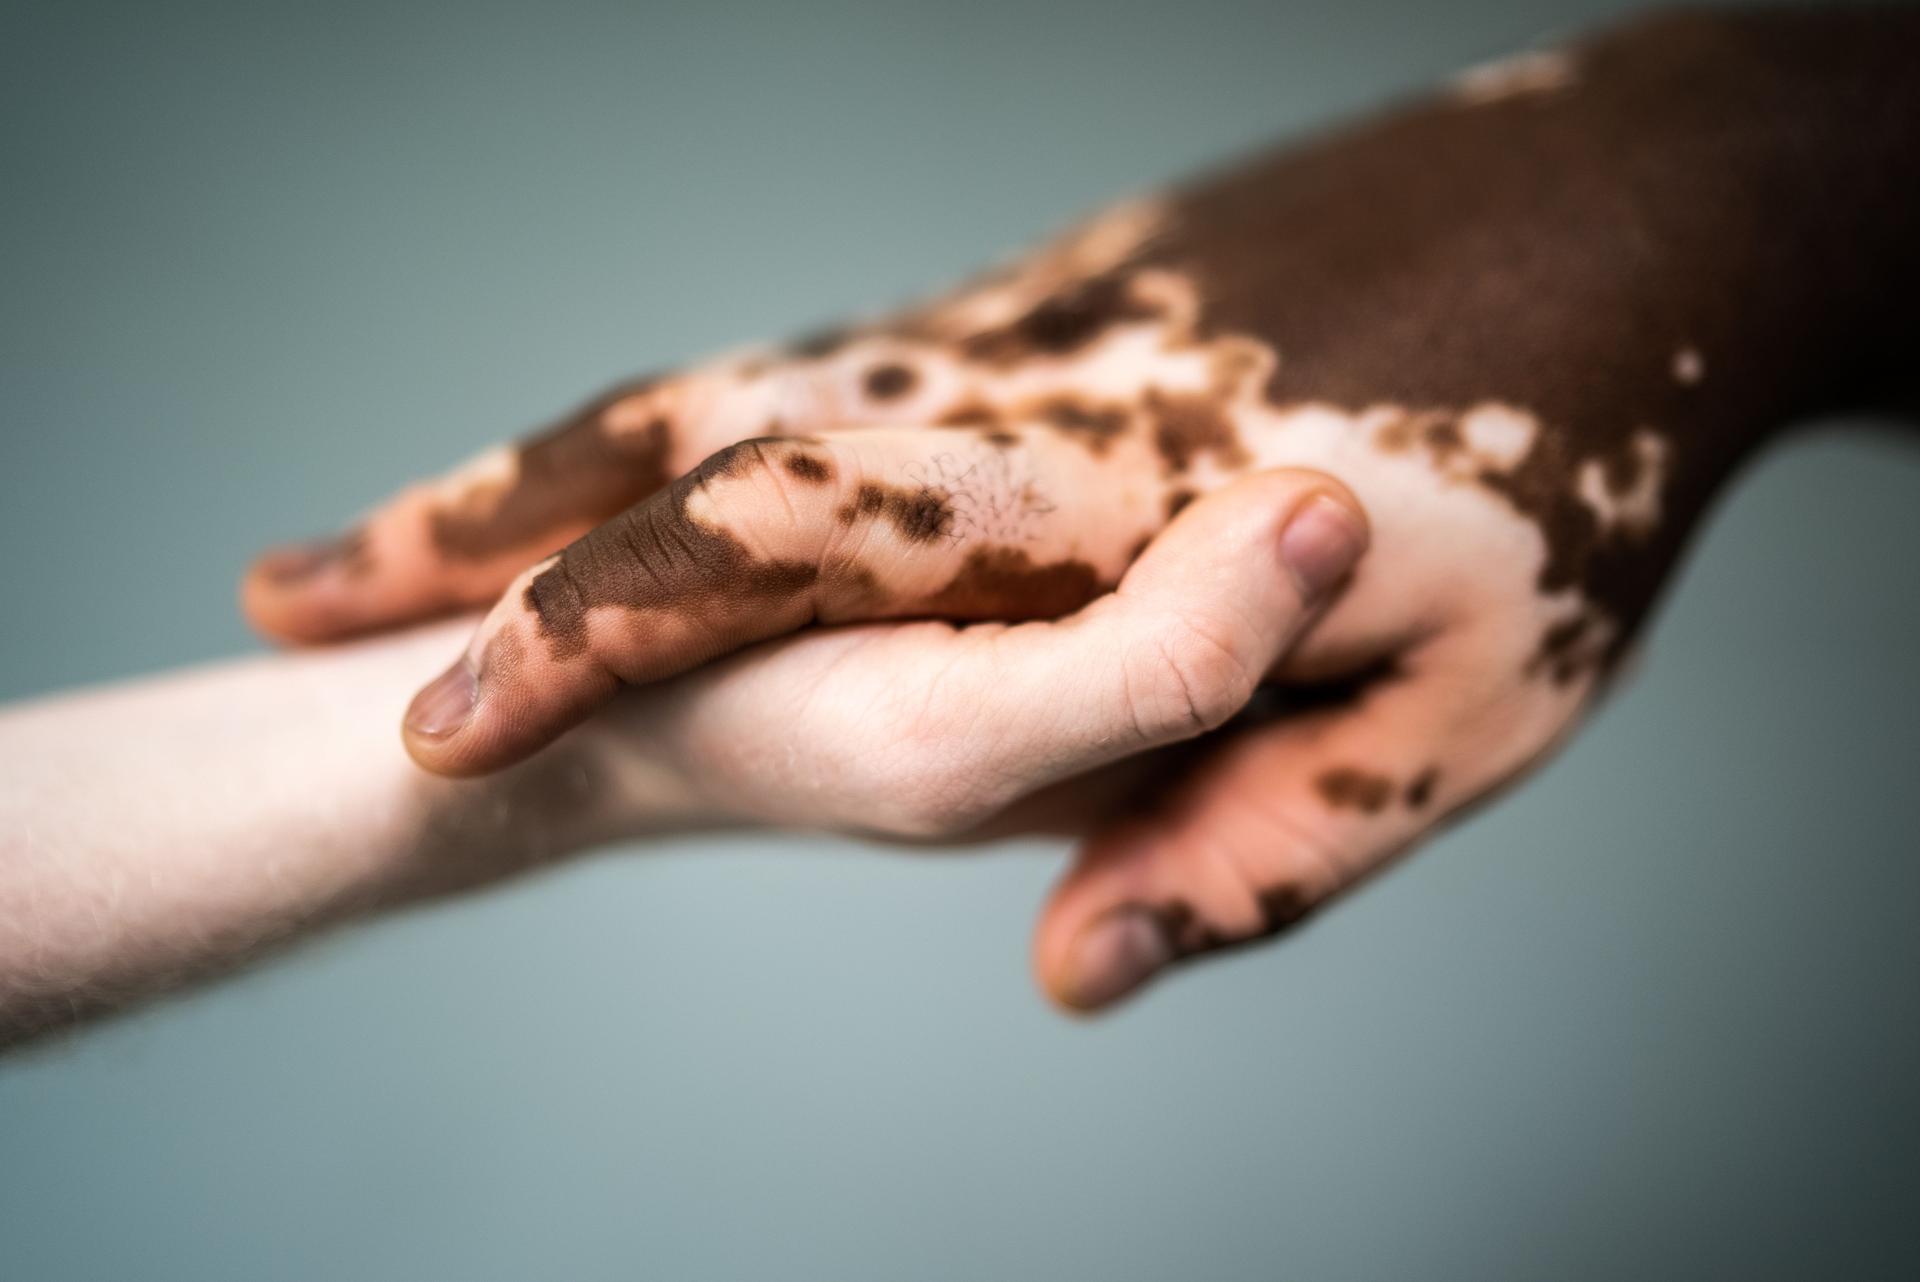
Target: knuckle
[1187,681]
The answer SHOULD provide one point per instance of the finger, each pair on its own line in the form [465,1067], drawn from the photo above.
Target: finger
[925,731]
[767,536]
[1279,818]
[456,542]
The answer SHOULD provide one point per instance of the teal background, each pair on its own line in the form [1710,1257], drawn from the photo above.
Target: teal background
[1656,1015]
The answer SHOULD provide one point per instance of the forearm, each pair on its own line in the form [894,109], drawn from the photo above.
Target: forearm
[162,830]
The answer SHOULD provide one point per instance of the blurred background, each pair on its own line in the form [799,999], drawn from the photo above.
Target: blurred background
[1655,1015]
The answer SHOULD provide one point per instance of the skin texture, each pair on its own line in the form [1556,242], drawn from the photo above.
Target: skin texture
[1532,323]
[165,830]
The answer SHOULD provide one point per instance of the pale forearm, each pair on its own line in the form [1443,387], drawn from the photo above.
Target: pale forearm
[160,830]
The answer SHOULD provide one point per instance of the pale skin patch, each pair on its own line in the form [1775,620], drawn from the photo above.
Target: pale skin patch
[1541,71]
[1689,367]
[1634,509]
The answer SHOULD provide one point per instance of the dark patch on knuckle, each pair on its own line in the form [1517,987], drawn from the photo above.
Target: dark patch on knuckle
[1350,788]
[1420,789]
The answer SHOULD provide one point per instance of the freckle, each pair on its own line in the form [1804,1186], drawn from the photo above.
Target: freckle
[1443,436]
[808,468]
[1283,906]
[1000,437]
[1396,436]
[1689,367]
[1177,501]
[1345,788]
[1420,791]
[891,381]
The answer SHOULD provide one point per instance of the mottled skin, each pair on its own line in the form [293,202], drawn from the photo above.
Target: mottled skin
[1533,323]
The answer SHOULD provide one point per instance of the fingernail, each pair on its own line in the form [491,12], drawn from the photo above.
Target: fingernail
[1115,955]
[1320,545]
[297,562]
[443,706]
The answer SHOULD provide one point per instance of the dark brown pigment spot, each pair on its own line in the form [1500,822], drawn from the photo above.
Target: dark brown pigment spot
[1558,653]
[1345,788]
[1005,583]
[655,556]
[575,473]
[1420,791]
[1185,427]
[807,468]
[890,382]
[1061,324]
[1093,426]
[1282,907]
[921,515]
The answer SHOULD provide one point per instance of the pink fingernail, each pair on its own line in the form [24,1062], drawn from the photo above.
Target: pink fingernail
[1321,544]
[443,706]
[1114,956]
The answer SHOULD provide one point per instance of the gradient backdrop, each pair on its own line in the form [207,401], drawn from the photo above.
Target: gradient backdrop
[1657,1015]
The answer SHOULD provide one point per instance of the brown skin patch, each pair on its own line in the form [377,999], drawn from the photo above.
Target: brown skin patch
[970,414]
[922,515]
[1559,653]
[574,472]
[890,381]
[1345,788]
[1188,934]
[656,556]
[1542,251]
[806,467]
[1062,324]
[1005,583]
[1420,790]
[1094,426]
[1186,427]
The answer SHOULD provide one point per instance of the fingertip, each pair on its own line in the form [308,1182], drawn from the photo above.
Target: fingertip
[1108,960]
[299,592]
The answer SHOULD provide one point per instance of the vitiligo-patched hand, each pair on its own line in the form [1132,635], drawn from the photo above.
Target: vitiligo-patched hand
[1532,324]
